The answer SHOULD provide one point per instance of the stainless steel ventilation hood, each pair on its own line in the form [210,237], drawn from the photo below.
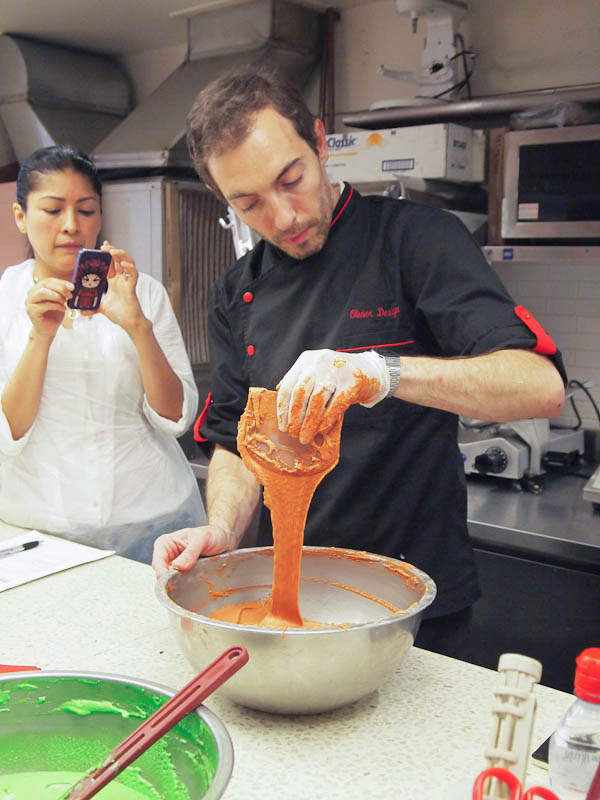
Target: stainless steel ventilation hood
[273,32]
[51,95]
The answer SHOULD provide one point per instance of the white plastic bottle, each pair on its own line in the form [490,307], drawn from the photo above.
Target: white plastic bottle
[575,745]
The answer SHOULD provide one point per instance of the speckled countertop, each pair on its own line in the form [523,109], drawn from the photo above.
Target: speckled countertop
[422,735]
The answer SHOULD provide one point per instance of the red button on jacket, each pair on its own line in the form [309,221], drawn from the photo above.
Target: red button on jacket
[247,297]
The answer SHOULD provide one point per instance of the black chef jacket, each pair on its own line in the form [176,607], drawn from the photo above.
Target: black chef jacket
[404,279]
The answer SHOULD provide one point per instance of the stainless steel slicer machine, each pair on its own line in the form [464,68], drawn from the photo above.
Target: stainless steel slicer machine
[521,450]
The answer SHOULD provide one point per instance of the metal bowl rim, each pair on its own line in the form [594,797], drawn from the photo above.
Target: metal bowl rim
[214,723]
[160,590]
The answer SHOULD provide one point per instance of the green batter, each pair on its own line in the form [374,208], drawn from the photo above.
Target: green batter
[55,730]
[53,785]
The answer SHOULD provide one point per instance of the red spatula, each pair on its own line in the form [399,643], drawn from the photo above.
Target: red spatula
[173,711]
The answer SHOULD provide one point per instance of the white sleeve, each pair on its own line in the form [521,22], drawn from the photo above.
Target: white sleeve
[157,307]
[9,447]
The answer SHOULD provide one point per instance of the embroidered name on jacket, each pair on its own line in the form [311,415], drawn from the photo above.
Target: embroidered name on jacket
[358,313]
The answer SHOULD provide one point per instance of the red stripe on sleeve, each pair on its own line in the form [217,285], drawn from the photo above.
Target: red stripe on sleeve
[545,344]
[200,421]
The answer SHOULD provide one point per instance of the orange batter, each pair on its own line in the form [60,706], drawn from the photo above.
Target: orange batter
[290,472]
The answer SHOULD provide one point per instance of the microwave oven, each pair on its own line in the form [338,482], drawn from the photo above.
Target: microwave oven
[552,184]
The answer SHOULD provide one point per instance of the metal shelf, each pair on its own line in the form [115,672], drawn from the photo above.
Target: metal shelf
[538,253]
[485,112]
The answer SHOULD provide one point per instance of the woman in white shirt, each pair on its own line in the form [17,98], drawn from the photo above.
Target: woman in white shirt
[91,402]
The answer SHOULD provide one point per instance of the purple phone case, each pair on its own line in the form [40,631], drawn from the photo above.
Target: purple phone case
[90,278]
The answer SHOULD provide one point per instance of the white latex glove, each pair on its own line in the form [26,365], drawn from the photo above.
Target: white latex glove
[322,384]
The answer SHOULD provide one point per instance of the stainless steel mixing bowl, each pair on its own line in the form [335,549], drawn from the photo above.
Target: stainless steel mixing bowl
[70,721]
[301,671]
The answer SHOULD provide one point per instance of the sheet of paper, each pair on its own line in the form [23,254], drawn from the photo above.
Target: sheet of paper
[51,555]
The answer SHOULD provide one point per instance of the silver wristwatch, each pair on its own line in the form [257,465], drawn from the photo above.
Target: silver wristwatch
[393,365]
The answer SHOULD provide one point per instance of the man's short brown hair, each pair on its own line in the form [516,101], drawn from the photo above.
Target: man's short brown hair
[222,114]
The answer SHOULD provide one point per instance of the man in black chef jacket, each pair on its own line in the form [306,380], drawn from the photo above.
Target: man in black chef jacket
[345,289]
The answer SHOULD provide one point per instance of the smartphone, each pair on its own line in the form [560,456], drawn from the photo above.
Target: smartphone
[90,278]
[540,756]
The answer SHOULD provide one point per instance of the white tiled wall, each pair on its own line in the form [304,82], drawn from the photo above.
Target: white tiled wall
[565,298]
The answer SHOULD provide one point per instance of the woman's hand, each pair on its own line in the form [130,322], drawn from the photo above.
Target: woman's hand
[46,304]
[120,304]
[162,386]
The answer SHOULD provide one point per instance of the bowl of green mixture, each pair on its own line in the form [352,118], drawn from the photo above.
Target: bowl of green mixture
[56,726]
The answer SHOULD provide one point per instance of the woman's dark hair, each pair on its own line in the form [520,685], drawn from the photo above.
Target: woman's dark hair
[222,114]
[57,158]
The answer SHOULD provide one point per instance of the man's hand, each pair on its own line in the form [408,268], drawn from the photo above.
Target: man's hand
[322,384]
[232,492]
[181,549]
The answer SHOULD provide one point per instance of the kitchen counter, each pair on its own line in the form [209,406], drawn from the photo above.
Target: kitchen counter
[538,559]
[557,524]
[421,735]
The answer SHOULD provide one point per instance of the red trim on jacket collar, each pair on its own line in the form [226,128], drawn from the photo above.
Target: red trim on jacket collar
[545,345]
[374,346]
[342,209]
[200,421]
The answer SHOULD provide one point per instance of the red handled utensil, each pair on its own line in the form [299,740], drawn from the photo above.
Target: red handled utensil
[167,716]
[15,668]
[513,783]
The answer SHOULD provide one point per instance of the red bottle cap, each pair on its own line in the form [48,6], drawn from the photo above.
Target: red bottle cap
[587,675]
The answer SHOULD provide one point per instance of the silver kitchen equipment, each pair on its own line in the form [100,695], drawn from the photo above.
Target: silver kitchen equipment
[278,34]
[563,209]
[515,449]
[295,670]
[52,95]
[591,490]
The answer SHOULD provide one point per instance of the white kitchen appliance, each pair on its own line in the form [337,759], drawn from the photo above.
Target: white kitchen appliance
[438,73]
[516,450]
[133,217]
[442,151]
[170,227]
